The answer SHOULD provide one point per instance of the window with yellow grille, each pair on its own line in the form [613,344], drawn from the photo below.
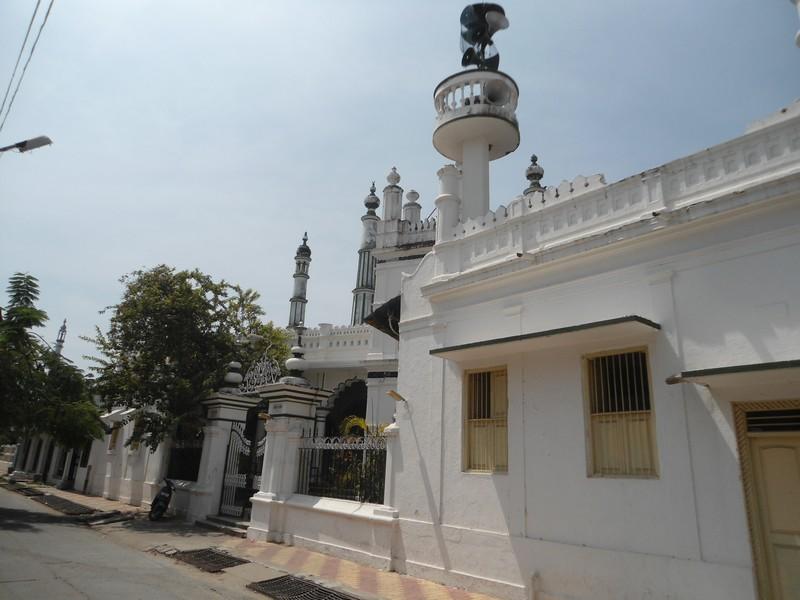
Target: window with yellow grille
[622,442]
[486,420]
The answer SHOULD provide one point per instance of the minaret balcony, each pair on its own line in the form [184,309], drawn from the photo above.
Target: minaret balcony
[472,105]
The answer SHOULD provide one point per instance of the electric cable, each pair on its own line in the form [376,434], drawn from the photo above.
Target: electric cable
[19,56]
[27,62]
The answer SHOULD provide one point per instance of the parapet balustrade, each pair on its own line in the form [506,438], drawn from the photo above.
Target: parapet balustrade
[588,206]
[328,337]
[476,93]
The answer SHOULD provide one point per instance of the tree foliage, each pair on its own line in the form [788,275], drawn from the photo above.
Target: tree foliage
[168,344]
[40,392]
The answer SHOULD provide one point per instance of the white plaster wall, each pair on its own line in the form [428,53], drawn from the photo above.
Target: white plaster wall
[97,461]
[757,306]
[339,527]
[131,476]
[388,276]
[380,407]
[723,296]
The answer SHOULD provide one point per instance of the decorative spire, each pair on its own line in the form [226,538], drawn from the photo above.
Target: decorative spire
[296,364]
[534,174]
[393,177]
[62,335]
[372,201]
[233,378]
[303,249]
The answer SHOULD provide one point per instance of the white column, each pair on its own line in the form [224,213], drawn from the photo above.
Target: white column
[392,450]
[274,456]
[447,202]
[475,179]
[277,482]
[206,495]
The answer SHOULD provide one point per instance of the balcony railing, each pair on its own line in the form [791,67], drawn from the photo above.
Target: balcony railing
[346,468]
[476,93]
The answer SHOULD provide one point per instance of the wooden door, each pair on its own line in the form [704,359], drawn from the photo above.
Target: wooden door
[776,474]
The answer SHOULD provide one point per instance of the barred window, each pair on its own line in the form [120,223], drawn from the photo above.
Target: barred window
[486,421]
[622,442]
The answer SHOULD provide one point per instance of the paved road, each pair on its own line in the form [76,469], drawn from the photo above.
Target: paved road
[44,556]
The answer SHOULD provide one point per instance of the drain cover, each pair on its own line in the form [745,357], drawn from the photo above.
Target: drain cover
[62,505]
[209,559]
[29,491]
[290,587]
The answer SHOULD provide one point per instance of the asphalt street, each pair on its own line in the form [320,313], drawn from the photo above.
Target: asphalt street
[45,556]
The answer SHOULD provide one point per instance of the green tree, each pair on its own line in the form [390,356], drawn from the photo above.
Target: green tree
[40,392]
[169,341]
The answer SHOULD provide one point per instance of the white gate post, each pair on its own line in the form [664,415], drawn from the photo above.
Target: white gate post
[291,416]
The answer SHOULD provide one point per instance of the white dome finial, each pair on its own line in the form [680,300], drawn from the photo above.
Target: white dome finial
[393,177]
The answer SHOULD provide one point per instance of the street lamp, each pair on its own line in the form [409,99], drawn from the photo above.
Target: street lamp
[31,144]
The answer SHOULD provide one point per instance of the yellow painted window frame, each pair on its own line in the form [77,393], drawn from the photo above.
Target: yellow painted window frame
[591,467]
[465,421]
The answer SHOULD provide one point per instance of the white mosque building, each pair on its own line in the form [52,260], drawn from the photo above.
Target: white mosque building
[592,390]
[595,385]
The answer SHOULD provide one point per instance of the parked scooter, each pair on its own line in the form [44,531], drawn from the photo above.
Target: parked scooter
[161,501]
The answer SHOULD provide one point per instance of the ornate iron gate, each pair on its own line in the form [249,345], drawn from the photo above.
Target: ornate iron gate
[242,477]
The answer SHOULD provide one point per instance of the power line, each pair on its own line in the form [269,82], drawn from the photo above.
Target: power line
[27,62]
[19,56]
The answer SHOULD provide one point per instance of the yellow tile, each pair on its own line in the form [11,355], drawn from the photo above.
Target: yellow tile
[389,586]
[348,574]
[282,556]
[314,563]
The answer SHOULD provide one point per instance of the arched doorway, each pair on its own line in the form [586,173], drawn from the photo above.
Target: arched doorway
[349,398]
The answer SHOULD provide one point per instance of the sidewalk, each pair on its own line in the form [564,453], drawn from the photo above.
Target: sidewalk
[358,580]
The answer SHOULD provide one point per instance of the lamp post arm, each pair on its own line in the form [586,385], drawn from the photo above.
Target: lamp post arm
[30,144]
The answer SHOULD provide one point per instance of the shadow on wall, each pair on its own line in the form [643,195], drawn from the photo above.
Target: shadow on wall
[349,398]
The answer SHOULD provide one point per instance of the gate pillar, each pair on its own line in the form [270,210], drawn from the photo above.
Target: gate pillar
[291,416]
[222,409]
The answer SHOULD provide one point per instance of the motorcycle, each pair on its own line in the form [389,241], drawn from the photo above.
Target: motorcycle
[161,501]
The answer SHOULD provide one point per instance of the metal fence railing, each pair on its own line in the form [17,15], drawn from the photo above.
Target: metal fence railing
[351,468]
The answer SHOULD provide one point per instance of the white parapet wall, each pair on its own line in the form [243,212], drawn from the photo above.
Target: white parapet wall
[343,528]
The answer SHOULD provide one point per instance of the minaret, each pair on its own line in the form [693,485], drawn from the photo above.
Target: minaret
[476,118]
[62,335]
[364,292]
[297,304]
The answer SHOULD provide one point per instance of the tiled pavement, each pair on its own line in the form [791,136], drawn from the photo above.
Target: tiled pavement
[355,578]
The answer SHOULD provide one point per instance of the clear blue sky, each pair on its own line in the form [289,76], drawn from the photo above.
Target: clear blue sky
[212,134]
